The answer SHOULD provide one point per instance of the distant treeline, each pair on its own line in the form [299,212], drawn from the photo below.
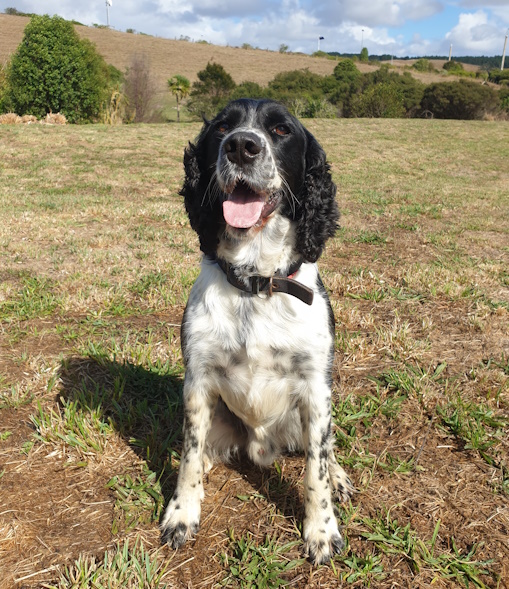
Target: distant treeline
[483,61]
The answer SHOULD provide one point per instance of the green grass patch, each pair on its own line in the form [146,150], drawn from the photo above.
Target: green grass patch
[257,566]
[123,568]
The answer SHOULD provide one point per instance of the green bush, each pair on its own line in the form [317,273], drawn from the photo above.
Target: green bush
[249,90]
[423,65]
[453,66]
[504,99]
[381,100]
[460,100]
[499,77]
[3,88]
[408,89]
[296,83]
[53,70]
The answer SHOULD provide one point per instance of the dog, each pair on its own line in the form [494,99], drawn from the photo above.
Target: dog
[258,330]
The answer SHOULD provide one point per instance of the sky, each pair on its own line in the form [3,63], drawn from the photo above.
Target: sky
[396,27]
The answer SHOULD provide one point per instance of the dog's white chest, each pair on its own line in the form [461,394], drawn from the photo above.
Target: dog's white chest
[258,354]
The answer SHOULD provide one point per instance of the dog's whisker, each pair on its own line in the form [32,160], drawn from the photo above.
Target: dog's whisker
[208,192]
[293,200]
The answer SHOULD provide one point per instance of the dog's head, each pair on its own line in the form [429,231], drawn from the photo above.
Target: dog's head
[253,161]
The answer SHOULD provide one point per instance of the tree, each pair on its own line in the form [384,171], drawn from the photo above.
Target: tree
[364,56]
[180,87]
[347,83]
[139,88]
[212,90]
[53,70]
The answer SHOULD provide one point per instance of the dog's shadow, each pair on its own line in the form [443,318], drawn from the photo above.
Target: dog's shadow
[144,405]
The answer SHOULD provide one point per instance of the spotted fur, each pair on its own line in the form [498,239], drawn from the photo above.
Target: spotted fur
[259,367]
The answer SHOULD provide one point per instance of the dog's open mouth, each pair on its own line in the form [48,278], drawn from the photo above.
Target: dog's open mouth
[245,208]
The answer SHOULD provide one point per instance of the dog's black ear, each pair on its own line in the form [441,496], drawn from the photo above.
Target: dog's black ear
[203,211]
[317,213]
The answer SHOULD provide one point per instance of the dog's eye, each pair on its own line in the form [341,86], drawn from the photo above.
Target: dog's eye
[223,127]
[281,130]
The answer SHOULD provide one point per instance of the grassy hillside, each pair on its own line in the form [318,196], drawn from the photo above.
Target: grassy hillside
[170,57]
[96,262]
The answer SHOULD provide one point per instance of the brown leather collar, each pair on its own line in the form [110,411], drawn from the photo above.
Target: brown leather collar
[255,283]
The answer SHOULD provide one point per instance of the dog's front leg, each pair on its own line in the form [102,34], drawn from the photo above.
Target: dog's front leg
[320,529]
[182,516]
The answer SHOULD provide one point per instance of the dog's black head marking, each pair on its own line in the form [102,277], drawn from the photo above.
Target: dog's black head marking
[260,160]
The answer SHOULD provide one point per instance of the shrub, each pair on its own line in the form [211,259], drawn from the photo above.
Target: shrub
[382,100]
[53,70]
[406,86]
[504,99]
[346,71]
[423,65]
[249,90]
[499,77]
[460,100]
[364,55]
[3,88]
[296,83]
[452,66]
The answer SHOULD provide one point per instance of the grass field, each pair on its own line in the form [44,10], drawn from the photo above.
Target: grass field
[96,262]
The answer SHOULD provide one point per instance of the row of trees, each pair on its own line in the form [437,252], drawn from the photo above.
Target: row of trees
[349,93]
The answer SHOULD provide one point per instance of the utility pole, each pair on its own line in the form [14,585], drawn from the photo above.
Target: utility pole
[108,4]
[450,52]
[503,52]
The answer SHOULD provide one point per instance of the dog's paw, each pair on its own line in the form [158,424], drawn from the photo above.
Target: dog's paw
[341,485]
[321,544]
[180,523]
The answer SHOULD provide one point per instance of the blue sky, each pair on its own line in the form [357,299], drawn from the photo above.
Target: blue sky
[398,27]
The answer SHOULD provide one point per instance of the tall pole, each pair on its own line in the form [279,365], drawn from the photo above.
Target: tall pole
[362,40]
[450,52]
[503,52]
[108,4]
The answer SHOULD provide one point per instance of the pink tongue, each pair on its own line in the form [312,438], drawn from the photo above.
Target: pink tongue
[242,212]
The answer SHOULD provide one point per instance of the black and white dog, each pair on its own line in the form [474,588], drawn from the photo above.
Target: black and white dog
[258,330]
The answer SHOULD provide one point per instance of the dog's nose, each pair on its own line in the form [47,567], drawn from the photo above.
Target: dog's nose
[243,148]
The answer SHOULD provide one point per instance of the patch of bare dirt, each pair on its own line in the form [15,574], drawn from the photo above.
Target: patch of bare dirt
[49,512]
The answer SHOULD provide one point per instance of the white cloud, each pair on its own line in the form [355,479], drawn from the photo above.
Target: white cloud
[379,13]
[475,34]
[390,26]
